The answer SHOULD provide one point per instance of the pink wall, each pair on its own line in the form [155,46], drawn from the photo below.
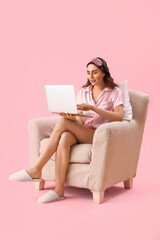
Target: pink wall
[50,42]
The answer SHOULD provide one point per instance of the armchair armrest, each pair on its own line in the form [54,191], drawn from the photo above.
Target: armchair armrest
[39,128]
[115,153]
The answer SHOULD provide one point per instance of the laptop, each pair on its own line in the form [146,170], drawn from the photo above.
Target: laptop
[61,98]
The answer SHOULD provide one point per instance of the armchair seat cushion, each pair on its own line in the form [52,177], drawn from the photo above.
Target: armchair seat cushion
[80,153]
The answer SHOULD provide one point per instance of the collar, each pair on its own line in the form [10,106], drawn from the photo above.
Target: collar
[106,89]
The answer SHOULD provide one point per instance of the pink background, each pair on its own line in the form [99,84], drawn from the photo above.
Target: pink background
[50,42]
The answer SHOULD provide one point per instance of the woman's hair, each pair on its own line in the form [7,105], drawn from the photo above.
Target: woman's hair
[107,78]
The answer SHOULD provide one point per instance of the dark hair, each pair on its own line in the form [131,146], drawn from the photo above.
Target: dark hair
[107,78]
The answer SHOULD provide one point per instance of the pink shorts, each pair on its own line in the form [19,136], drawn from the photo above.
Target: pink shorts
[92,128]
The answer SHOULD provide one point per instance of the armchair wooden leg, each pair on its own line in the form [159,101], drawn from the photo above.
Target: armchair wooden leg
[40,185]
[128,184]
[98,197]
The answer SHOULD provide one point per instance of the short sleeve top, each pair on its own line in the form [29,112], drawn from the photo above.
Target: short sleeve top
[108,99]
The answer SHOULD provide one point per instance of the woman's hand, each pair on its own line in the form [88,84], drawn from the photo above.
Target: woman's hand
[68,116]
[84,107]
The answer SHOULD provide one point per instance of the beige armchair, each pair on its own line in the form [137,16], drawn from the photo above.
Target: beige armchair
[111,158]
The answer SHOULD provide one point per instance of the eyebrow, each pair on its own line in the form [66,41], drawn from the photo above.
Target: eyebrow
[92,71]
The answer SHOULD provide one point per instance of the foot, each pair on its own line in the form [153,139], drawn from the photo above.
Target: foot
[50,196]
[33,172]
[59,192]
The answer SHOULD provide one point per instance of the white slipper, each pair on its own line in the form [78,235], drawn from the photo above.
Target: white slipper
[23,176]
[50,196]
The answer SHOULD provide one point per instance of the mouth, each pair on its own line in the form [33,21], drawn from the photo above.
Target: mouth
[92,81]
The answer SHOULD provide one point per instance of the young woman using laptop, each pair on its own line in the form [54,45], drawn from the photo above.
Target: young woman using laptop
[102,99]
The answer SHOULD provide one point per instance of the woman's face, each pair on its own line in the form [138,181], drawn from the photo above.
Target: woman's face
[95,75]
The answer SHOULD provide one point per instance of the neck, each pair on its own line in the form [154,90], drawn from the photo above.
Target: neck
[99,87]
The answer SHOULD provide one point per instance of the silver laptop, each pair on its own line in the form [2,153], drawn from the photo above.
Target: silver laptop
[61,98]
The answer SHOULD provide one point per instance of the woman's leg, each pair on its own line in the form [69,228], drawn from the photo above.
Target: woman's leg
[82,134]
[62,160]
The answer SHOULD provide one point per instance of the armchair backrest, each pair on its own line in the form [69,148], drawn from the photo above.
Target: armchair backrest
[139,102]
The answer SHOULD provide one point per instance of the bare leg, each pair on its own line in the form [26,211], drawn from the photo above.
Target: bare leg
[82,134]
[62,160]
[35,170]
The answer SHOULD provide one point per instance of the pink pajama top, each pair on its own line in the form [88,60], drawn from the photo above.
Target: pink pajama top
[108,99]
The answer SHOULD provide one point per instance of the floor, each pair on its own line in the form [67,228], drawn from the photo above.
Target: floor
[124,214]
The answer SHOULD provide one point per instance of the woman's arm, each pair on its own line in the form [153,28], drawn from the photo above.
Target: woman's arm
[117,115]
[72,117]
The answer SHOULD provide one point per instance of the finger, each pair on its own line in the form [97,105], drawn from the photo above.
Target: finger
[71,116]
[64,115]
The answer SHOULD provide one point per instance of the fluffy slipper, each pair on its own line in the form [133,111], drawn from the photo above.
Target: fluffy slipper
[23,176]
[50,196]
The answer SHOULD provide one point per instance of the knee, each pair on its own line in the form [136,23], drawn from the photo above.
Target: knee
[65,140]
[61,124]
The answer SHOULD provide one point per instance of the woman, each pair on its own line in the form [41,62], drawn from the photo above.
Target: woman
[102,99]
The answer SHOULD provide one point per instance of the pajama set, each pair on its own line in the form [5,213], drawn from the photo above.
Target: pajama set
[108,99]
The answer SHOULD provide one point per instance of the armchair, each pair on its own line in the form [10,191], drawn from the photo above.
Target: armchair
[111,158]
